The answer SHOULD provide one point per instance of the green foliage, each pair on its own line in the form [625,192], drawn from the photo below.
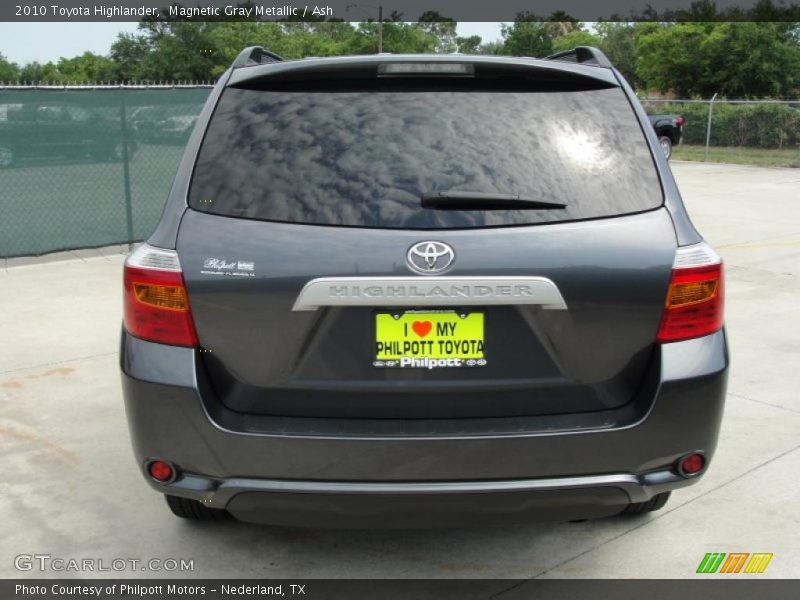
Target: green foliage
[751,125]
[530,35]
[129,53]
[8,71]
[573,39]
[86,67]
[400,38]
[469,45]
[442,29]
[616,40]
[527,36]
[38,73]
[182,50]
[734,59]
[751,59]
[668,57]
[494,48]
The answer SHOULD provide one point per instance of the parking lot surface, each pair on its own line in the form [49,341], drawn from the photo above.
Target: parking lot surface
[71,489]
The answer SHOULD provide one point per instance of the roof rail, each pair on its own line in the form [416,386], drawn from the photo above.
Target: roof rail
[254,55]
[583,54]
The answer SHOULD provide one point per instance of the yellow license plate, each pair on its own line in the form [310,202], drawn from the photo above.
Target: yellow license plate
[429,340]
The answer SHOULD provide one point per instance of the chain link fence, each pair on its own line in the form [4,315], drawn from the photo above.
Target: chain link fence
[757,132]
[88,166]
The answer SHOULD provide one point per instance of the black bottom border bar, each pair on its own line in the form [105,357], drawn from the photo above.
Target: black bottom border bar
[707,587]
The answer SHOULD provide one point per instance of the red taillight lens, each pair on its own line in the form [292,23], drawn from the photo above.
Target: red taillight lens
[156,306]
[692,464]
[160,471]
[679,121]
[695,297]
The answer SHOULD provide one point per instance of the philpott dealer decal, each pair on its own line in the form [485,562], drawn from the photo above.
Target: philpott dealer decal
[233,268]
[420,339]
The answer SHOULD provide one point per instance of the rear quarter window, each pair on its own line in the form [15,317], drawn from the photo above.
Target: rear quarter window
[364,158]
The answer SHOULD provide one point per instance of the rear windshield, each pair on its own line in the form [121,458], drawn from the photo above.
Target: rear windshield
[364,158]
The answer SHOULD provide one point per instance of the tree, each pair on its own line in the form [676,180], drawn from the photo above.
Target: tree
[560,24]
[527,36]
[494,48]
[184,50]
[574,38]
[296,40]
[469,45]
[617,42]
[750,59]
[87,67]
[398,38]
[732,59]
[34,72]
[129,55]
[668,57]
[8,71]
[443,29]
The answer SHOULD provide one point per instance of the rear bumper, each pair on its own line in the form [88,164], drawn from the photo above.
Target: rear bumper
[347,504]
[329,471]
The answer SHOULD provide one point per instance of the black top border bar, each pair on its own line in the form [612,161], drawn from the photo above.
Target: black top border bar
[401,10]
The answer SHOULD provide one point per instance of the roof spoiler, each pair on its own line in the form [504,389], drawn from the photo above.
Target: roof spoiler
[583,54]
[255,55]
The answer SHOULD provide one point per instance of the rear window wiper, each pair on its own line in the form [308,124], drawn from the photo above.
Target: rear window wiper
[453,200]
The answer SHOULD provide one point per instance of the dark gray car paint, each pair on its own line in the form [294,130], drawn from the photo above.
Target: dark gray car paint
[678,411]
[174,412]
[263,358]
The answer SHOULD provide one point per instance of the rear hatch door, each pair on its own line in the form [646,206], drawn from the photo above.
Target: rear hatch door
[322,286]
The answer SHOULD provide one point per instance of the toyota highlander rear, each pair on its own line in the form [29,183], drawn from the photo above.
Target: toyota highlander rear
[422,290]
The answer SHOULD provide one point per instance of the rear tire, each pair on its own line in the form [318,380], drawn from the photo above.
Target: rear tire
[666,145]
[639,508]
[194,510]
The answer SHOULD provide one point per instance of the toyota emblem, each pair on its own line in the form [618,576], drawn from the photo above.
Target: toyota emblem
[430,258]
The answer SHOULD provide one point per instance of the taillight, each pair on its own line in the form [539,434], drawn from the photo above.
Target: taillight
[694,303]
[679,121]
[156,306]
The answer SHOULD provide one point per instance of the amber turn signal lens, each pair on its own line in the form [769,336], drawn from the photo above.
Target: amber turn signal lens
[694,303]
[170,297]
[684,294]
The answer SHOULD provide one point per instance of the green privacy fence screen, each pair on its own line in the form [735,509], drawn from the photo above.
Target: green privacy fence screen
[88,167]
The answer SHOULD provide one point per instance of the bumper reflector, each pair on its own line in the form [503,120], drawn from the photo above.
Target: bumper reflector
[161,471]
[692,464]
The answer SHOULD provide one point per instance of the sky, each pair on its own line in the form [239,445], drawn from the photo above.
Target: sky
[25,42]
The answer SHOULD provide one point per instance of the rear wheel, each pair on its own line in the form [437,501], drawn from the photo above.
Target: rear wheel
[639,508]
[666,145]
[194,510]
